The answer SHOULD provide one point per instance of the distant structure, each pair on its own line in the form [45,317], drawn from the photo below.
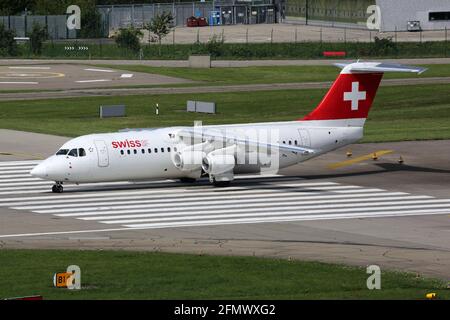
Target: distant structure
[414,15]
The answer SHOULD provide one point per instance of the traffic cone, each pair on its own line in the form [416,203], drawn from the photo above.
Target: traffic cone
[349,153]
[374,156]
[400,160]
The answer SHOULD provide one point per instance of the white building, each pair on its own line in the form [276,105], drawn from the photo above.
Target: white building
[402,15]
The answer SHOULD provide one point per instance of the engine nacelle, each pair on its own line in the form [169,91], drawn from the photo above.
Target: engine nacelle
[189,160]
[216,164]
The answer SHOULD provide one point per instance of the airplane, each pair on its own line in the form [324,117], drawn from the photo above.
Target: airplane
[223,151]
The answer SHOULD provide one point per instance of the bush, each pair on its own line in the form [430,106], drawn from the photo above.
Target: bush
[215,45]
[37,37]
[129,38]
[384,46]
[8,46]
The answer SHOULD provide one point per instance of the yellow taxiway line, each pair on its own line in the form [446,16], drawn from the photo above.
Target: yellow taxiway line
[358,159]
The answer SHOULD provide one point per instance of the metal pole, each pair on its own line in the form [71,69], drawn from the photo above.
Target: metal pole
[395,34]
[271,36]
[320,34]
[345,35]
[306,13]
[246,36]
[295,35]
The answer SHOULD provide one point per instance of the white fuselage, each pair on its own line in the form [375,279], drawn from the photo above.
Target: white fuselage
[148,154]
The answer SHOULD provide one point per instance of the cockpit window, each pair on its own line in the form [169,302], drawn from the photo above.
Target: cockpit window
[62,152]
[73,153]
[81,152]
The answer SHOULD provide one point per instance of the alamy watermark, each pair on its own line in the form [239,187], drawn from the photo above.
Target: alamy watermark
[374,280]
[74,20]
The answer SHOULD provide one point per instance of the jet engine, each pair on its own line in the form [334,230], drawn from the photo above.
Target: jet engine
[216,164]
[189,160]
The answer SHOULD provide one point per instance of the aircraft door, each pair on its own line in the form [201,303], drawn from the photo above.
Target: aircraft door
[102,153]
[305,139]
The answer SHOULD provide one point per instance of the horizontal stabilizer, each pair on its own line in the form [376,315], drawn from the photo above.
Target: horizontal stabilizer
[377,67]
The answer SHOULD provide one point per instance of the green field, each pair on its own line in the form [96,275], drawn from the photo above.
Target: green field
[399,113]
[98,49]
[272,74]
[140,275]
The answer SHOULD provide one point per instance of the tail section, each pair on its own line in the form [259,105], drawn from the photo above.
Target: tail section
[352,94]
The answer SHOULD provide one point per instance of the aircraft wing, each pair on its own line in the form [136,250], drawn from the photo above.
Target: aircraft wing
[214,135]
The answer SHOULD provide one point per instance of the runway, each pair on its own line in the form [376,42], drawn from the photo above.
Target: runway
[167,204]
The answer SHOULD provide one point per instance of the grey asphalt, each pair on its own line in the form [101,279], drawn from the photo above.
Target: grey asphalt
[99,92]
[414,243]
[66,76]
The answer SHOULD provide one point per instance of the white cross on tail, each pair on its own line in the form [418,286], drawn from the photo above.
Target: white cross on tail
[355,95]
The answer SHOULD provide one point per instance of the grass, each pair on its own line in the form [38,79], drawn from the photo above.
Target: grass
[140,275]
[274,74]
[399,113]
[300,50]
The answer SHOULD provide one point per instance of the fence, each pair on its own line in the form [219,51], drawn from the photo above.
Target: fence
[343,13]
[22,25]
[217,13]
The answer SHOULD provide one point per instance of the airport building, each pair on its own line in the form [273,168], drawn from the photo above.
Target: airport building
[414,15]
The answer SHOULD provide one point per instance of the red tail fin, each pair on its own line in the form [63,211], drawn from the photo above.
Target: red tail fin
[353,92]
[350,96]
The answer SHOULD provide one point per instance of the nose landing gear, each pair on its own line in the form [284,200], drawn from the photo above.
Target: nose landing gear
[57,187]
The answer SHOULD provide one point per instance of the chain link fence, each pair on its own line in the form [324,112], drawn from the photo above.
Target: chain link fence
[215,12]
[339,13]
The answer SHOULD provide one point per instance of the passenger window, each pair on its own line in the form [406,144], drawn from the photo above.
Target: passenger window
[290,142]
[175,149]
[81,152]
[295,142]
[168,149]
[128,151]
[121,152]
[73,153]
[162,149]
[284,142]
[134,151]
[149,150]
[143,151]
[156,150]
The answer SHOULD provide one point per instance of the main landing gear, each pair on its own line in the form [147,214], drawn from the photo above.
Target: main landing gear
[57,187]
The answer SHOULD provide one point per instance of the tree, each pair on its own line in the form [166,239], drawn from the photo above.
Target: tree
[37,37]
[160,26]
[8,46]
[129,38]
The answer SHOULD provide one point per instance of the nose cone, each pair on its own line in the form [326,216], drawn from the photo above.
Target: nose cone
[39,171]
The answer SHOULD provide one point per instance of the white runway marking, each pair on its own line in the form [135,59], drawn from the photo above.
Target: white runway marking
[127,75]
[96,80]
[99,70]
[18,82]
[35,68]
[169,204]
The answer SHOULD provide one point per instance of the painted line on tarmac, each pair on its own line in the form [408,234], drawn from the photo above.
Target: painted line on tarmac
[228,222]
[359,159]
[96,80]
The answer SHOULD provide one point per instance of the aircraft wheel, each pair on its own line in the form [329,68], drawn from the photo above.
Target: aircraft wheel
[57,188]
[221,184]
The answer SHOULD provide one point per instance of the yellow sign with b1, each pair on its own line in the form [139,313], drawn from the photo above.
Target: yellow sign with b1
[71,279]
